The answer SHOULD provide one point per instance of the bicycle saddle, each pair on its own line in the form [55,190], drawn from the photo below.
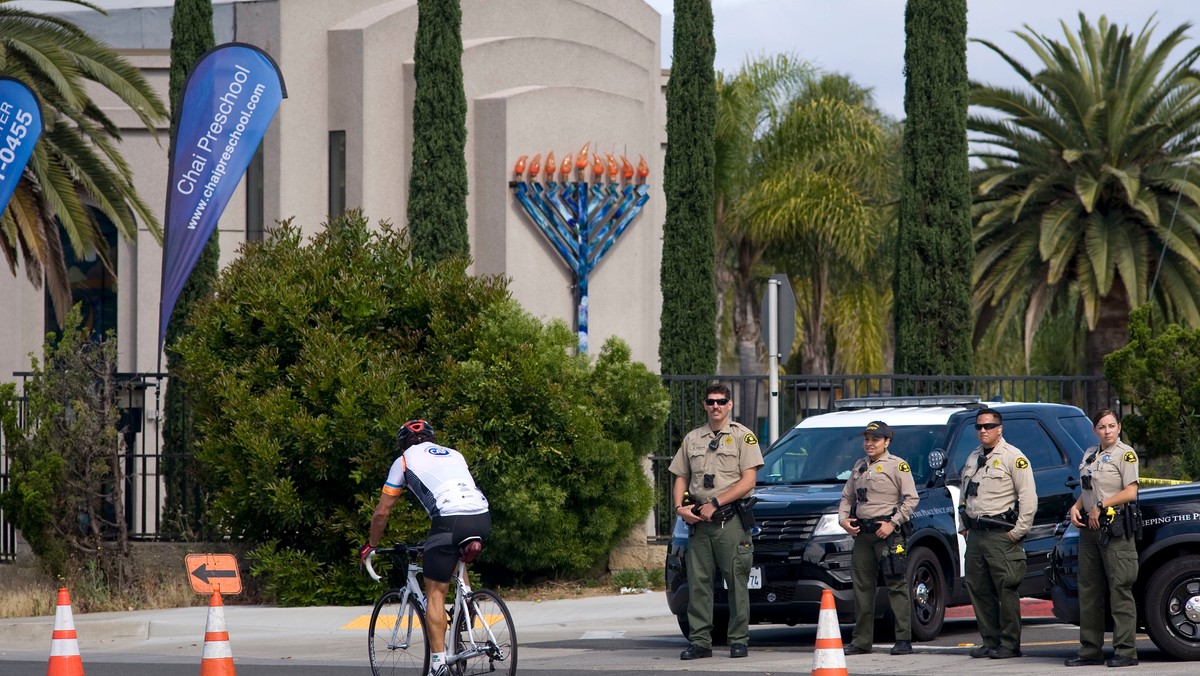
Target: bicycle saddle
[470,548]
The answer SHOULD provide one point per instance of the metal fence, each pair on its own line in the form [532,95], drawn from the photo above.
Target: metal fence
[162,493]
[152,512]
[804,395]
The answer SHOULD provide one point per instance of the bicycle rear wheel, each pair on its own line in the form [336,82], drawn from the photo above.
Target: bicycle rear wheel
[487,628]
[397,641]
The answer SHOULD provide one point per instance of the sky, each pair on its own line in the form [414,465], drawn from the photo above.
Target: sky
[865,38]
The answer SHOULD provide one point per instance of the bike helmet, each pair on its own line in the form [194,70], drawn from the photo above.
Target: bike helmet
[413,432]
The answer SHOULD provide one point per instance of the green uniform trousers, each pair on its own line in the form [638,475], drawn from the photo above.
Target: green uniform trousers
[864,571]
[995,568]
[726,549]
[1109,569]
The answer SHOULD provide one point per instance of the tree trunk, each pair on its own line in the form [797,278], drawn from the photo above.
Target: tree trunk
[1110,334]
[815,353]
[746,320]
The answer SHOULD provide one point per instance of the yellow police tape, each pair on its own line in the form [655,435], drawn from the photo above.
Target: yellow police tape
[1150,481]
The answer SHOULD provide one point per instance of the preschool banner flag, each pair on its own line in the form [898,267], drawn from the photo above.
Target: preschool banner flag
[228,102]
[20,126]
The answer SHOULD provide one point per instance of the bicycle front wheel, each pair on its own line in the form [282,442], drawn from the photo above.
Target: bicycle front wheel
[397,641]
[486,635]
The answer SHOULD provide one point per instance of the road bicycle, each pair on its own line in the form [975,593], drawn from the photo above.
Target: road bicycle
[482,638]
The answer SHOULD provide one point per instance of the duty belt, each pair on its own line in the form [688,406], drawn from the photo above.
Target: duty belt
[997,522]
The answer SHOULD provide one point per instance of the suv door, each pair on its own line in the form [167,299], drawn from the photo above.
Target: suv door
[1052,475]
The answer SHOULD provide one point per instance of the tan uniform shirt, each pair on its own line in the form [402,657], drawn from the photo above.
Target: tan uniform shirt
[736,450]
[890,487]
[1005,481]
[1111,470]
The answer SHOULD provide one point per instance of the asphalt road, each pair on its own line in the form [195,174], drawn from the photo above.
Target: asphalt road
[605,635]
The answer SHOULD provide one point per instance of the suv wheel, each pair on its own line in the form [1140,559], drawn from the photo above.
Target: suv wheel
[927,593]
[1173,608]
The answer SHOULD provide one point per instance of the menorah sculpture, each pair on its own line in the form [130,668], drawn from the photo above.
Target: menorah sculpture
[581,219]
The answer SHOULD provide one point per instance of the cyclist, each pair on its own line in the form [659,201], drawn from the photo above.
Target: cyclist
[439,479]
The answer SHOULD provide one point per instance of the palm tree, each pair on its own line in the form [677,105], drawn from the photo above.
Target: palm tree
[749,103]
[76,166]
[821,204]
[1086,200]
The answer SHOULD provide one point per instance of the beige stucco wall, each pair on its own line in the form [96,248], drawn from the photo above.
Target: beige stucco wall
[539,75]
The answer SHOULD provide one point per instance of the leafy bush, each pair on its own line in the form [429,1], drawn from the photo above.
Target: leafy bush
[311,355]
[66,492]
[1159,376]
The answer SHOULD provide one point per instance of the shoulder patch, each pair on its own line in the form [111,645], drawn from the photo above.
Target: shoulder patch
[904,467]
[1130,456]
[1022,463]
[750,439]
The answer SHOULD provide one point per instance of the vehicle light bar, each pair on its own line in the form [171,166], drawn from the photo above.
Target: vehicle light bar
[930,400]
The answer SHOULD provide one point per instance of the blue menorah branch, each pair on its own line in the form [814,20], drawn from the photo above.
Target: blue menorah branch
[582,220]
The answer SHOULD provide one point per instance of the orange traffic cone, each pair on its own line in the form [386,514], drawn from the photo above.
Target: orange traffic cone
[64,645]
[218,657]
[828,658]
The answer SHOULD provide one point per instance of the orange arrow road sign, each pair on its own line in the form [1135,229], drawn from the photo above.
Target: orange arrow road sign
[214,572]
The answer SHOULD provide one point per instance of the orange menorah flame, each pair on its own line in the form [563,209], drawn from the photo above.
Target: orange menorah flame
[612,167]
[535,166]
[643,169]
[597,167]
[519,167]
[626,168]
[550,166]
[581,160]
[565,169]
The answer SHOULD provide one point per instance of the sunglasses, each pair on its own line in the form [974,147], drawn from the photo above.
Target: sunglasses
[986,426]
[716,402]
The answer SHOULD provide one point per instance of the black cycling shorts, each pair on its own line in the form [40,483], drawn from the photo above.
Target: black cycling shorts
[445,534]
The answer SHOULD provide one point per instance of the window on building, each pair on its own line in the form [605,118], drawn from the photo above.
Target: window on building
[337,173]
[255,227]
[93,286]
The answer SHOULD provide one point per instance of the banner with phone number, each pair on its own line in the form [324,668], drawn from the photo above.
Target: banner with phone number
[20,127]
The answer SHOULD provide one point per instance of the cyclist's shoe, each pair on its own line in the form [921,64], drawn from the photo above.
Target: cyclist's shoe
[439,670]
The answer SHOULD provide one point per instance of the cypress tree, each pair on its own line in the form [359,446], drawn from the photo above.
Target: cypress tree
[437,186]
[688,329]
[935,254]
[191,36]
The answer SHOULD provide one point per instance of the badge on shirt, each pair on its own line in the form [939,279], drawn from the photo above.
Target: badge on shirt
[878,468]
[904,467]
[1022,463]
[1106,458]
[996,462]
[1130,456]
[750,440]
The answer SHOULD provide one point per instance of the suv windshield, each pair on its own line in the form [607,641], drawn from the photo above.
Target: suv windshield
[827,454]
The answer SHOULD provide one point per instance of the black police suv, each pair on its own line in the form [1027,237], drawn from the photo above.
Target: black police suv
[1167,591]
[800,550]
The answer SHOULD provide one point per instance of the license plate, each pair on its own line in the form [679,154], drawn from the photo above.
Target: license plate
[755,581]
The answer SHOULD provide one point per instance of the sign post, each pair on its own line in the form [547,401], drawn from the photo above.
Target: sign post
[778,329]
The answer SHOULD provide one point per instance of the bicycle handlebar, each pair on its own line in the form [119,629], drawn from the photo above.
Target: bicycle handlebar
[413,552]
[371,569]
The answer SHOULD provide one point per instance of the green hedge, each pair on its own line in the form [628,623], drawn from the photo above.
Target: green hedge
[312,354]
